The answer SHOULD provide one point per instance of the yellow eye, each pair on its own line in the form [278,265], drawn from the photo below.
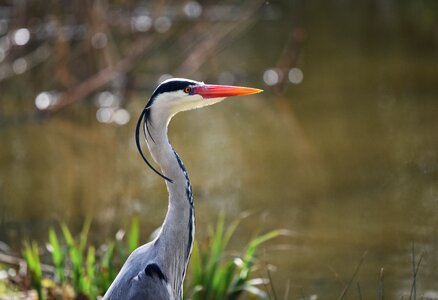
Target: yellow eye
[187,90]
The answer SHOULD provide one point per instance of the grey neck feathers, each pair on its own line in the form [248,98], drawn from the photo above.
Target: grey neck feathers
[175,240]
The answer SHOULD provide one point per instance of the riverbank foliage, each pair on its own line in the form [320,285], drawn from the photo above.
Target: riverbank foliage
[70,267]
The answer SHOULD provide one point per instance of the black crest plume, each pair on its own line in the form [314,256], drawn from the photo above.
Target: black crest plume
[143,119]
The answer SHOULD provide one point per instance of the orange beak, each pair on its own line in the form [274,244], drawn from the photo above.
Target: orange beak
[221,91]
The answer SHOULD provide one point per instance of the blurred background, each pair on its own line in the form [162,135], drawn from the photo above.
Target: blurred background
[340,149]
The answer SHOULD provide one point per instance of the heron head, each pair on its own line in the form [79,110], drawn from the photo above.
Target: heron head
[176,95]
[179,94]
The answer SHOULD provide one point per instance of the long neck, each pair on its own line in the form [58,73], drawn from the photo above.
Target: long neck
[175,240]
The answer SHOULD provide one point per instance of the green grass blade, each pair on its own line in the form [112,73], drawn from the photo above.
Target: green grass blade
[67,235]
[196,264]
[55,248]
[91,262]
[83,237]
[32,257]
[230,231]
[256,242]
[57,255]
[133,235]
[240,283]
[215,255]
[107,269]
[75,256]
[90,278]
[223,279]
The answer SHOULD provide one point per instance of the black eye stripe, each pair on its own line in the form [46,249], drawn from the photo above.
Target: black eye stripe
[172,86]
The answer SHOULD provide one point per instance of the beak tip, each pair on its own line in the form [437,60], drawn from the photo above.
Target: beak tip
[254,91]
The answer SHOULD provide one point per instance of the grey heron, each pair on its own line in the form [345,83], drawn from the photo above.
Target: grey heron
[157,269]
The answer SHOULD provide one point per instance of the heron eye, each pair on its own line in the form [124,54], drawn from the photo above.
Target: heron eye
[187,90]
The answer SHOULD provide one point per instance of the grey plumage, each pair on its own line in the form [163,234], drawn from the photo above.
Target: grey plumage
[137,282]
